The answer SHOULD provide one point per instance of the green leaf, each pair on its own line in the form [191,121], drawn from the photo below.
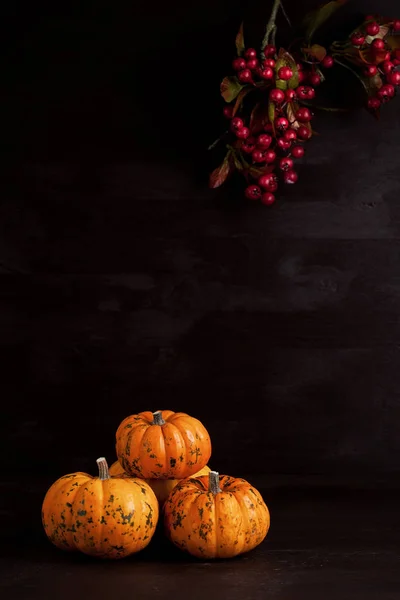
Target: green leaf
[240,97]
[221,173]
[230,88]
[240,40]
[285,59]
[315,51]
[318,17]
[271,115]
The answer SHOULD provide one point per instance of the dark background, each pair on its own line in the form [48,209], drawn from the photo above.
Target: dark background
[127,285]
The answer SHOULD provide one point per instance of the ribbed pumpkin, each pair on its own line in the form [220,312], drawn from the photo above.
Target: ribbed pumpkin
[161,487]
[106,517]
[216,517]
[162,445]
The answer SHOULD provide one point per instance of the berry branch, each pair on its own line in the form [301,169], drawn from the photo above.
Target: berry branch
[272,95]
[271,27]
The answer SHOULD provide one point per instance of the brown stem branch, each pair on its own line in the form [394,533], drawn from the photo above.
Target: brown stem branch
[213,482]
[103,468]
[157,418]
[270,25]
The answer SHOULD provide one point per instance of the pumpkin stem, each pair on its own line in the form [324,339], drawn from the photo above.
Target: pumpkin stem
[213,482]
[157,418]
[103,468]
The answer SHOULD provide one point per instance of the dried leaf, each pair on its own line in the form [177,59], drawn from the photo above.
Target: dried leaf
[258,171]
[393,41]
[230,88]
[240,40]
[241,95]
[291,111]
[318,17]
[383,31]
[221,173]
[259,117]
[315,51]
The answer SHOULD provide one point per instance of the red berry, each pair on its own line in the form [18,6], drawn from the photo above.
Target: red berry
[285,164]
[243,133]
[252,64]
[248,145]
[270,156]
[328,62]
[258,155]
[239,64]
[269,182]
[253,192]
[305,92]
[302,76]
[290,176]
[396,54]
[386,57]
[264,140]
[386,92]
[245,76]
[394,78]
[281,123]
[396,62]
[290,95]
[387,66]
[269,50]
[303,115]
[269,62]
[250,53]
[266,73]
[378,44]
[372,28]
[298,151]
[370,71]
[268,198]
[290,135]
[396,25]
[285,73]
[268,127]
[370,18]
[303,132]
[357,39]
[283,144]
[276,96]
[315,79]
[374,103]
[236,124]
[228,112]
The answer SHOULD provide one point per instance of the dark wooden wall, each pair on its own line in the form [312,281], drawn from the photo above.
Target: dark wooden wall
[127,285]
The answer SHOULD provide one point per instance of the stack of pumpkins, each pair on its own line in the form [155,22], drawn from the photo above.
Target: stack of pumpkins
[161,469]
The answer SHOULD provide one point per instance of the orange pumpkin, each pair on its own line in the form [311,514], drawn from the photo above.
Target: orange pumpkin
[162,445]
[107,517]
[216,517]
[161,487]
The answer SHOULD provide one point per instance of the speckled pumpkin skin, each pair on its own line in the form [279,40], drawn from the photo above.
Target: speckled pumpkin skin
[177,449]
[161,487]
[223,525]
[109,518]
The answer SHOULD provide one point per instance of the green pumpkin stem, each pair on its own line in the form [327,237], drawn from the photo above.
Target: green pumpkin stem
[213,482]
[157,418]
[103,468]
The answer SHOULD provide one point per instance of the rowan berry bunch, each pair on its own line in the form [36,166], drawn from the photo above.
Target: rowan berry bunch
[269,98]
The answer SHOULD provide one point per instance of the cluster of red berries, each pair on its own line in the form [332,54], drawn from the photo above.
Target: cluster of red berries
[383,62]
[281,141]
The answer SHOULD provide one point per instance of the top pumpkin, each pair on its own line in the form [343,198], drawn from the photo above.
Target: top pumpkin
[162,445]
